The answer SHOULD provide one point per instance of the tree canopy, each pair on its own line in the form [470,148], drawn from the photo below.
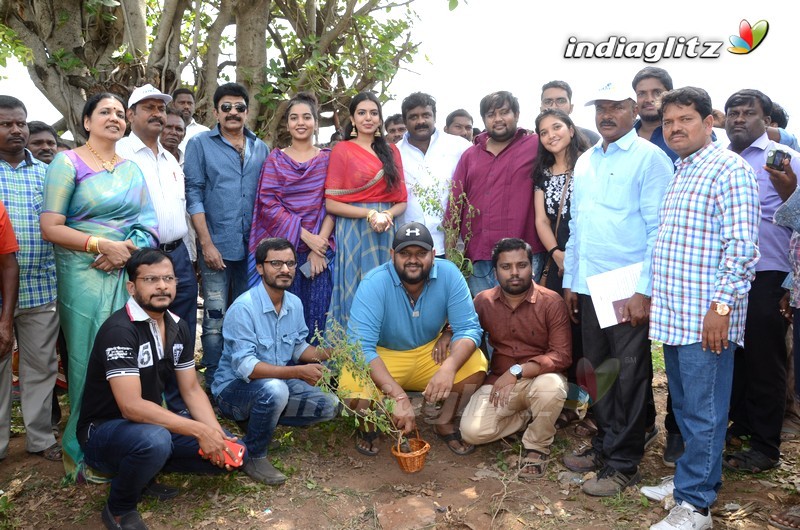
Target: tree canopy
[275,48]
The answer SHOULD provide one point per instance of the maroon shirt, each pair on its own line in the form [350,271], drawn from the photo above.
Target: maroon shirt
[537,330]
[501,188]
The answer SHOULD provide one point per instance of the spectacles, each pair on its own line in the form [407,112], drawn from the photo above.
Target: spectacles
[226,107]
[549,102]
[278,264]
[155,279]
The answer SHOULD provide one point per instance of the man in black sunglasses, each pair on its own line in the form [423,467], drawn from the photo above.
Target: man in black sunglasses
[222,167]
[267,371]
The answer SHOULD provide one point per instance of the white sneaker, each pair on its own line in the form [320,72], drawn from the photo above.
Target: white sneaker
[660,492]
[684,517]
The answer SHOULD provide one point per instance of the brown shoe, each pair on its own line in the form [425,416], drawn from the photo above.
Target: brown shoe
[583,460]
[609,482]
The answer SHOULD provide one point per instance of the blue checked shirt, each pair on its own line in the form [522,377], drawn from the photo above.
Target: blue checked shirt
[21,189]
[707,246]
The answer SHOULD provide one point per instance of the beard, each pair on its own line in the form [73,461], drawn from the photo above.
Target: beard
[520,288]
[504,136]
[413,278]
[158,306]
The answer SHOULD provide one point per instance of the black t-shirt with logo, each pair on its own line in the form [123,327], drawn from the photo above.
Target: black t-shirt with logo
[125,346]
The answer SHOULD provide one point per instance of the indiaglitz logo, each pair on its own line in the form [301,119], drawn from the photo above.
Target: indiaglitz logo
[749,37]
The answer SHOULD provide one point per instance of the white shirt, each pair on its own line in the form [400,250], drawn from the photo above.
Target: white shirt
[191,130]
[164,178]
[428,176]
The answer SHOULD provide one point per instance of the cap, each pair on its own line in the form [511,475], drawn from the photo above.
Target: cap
[612,92]
[147,92]
[412,234]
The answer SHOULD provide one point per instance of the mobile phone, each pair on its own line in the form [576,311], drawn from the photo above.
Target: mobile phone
[306,268]
[238,454]
[776,157]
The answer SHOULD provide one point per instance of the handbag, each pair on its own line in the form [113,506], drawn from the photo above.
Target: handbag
[549,264]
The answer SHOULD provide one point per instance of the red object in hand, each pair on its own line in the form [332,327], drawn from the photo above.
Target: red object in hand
[238,454]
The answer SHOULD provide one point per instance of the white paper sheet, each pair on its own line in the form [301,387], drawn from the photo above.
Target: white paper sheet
[611,290]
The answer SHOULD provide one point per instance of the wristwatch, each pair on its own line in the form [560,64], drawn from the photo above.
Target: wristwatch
[516,371]
[720,308]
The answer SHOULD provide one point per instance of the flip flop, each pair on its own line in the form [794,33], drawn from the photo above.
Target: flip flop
[370,438]
[791,514]
[456,436]
[535,461]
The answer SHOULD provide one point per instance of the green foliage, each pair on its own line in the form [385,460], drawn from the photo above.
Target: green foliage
[455,239]
[64,60]
[12,46]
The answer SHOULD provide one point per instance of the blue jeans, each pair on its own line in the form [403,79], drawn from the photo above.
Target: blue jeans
[217,285]
[483,276]
[700,384]
[135,453]
[269,402]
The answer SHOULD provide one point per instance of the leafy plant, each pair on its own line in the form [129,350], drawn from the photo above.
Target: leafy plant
[460,214]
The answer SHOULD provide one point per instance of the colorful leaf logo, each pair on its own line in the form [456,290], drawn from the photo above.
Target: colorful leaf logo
[749,37]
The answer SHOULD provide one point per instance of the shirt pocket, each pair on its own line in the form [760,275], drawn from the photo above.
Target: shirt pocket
[266,350]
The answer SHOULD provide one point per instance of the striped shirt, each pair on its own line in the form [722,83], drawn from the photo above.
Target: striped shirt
[22,191]
[707,246]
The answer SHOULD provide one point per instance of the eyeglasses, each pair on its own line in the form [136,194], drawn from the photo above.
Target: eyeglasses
[549,102]
[278,264]
[226,107]
[150,280]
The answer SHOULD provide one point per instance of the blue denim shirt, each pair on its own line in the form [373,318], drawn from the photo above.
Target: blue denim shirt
[381,314]
[253,332]
[219,185]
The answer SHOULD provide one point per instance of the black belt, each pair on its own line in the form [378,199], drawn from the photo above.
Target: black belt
[169,247]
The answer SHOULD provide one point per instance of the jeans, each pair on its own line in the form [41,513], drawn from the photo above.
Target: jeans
[269,402]
[700,384]
[483,276]
[217,285]
[135,453]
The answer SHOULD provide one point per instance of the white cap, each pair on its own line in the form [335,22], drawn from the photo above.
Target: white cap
[612,92]
[147,92]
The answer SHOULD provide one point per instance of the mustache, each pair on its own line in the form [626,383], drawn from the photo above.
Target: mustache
[421,127]
[608,123]
[233,118]
[156,119]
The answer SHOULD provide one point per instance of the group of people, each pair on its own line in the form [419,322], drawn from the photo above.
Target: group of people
[290,242]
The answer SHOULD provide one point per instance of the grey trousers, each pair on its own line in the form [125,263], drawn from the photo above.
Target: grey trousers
[36,330]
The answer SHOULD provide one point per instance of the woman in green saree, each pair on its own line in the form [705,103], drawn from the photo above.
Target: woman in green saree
[97,210]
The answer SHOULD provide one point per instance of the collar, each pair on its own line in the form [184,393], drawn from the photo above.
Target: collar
[29,160]
[531,296]
[483,138]
[248,134]
[624,142]
[762,142]
[396,279]
[266,302]
[137,314]
[700,154]
[137,144]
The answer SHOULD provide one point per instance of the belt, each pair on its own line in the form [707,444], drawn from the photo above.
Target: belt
[169,247]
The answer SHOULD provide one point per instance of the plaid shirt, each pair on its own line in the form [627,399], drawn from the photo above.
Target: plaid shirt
[21,189]
[707,246]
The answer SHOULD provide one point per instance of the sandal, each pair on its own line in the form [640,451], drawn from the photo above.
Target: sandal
[367,438]
[586,428]
[566,417]
[52,453]
[750,461]
[788,519]
[533,465]
[455,436]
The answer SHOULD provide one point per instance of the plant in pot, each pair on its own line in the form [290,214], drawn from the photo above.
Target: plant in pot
[349,357]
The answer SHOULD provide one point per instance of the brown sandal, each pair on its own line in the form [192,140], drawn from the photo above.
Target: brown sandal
[585,428]
[533,465]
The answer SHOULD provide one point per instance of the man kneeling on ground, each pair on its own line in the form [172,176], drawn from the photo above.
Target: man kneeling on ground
[529,329]
[267,371]
[398,315]
[123,429]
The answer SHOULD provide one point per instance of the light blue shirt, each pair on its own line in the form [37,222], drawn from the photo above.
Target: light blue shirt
[381,314]
[253,332]
[615,210]
[223,187]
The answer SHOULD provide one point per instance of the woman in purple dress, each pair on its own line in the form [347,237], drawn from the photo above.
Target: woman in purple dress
[291,204]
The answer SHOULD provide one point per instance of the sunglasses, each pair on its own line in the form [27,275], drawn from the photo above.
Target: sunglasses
[226,107]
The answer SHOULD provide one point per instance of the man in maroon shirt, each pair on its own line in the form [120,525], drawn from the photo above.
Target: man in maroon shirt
[495,177]
[529,329]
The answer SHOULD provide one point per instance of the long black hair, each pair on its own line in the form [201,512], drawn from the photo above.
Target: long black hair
[379,144]
[545,159]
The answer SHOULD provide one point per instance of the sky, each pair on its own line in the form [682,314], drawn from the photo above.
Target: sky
[518,45]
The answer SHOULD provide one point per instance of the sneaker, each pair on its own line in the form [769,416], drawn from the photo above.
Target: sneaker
[673,450]
[650,436]
[661,491]
[129,521]
[684,516]
[609,482]
[261,470]
[583,460]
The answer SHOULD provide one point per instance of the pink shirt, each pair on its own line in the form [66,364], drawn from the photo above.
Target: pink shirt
[501,188]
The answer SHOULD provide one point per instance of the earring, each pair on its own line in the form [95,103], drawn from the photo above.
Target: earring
[354,133]
[378,133]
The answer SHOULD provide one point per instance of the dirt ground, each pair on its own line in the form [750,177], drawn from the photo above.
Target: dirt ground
[332,486]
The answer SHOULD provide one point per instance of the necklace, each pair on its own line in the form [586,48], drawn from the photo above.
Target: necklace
[108,165]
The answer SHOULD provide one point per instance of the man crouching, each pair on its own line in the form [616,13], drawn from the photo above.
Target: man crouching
[123,429]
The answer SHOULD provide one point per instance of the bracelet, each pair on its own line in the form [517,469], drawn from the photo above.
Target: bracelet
[387,212]
[86,245]
[370,214]
[93,245]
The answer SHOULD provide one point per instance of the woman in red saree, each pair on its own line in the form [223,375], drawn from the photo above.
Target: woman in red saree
[364,191]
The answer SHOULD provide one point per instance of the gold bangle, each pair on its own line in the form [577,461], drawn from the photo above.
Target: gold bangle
[370,214]
[93,245]
[387,212]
